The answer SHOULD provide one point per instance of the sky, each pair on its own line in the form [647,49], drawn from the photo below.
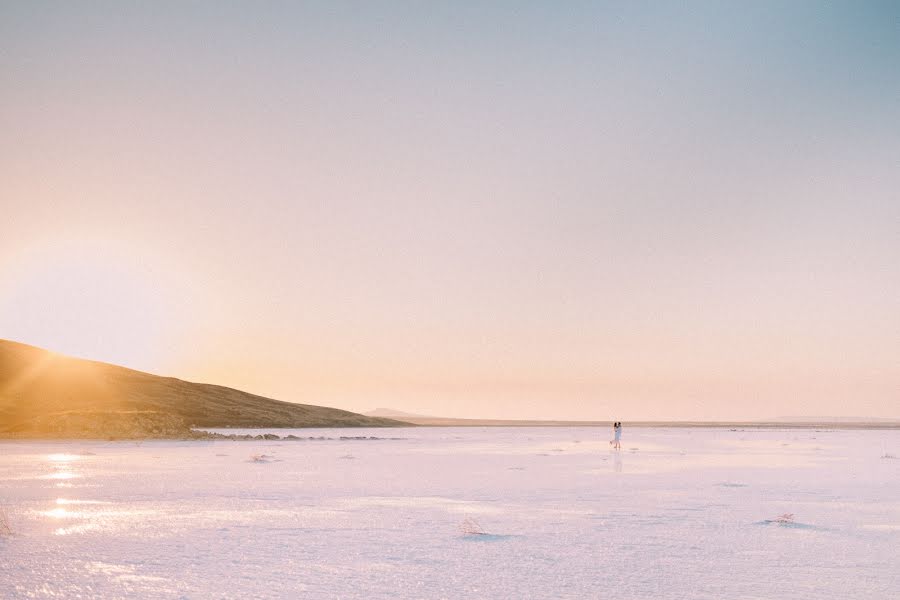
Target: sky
[580,210]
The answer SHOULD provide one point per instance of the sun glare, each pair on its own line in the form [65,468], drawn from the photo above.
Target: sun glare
[96,304]
[62,457]
[62,475]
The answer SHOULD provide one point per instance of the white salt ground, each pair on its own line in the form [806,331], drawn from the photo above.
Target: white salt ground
[676,514]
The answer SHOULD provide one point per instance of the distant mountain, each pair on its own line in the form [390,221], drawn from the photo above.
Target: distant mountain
[778,422]
[431,420]
[46,393]
[820,419]
[391,413]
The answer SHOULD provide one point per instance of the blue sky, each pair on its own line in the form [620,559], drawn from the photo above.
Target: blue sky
[471,209]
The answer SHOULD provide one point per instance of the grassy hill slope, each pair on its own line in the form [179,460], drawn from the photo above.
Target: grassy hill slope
[43,392]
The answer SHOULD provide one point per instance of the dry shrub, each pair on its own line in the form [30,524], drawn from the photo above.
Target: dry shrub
[5,528]
[471,527]
[785,518]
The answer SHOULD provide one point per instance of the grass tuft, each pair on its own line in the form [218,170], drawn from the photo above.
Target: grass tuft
[5,527]
[471,527]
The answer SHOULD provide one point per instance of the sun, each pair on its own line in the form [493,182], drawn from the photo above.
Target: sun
[103,304]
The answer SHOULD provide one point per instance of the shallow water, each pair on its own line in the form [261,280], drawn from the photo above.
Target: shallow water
[677,513]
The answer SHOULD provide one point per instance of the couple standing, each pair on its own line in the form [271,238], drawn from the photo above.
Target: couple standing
[617,435]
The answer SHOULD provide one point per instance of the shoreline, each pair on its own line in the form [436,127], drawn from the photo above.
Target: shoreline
[450,422]
[270,435]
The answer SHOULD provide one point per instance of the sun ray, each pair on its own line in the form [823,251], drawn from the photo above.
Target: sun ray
[31,372]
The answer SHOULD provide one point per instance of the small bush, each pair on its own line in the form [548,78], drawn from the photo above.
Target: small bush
[785,518]
[5,528]
[471,527]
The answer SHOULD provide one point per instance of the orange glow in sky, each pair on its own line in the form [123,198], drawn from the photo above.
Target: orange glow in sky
[597,213]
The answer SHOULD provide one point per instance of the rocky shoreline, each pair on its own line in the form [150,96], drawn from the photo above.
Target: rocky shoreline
[292,437]
[134,426]
[187,436]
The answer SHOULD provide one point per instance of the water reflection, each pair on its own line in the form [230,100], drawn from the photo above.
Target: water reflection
[91,515]
[63,457]
[76,529]
[62,464]
[62,475]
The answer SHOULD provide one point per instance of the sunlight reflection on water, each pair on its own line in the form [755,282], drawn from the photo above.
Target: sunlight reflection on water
[84,527]
[57,513]
[91,517]
[63,457]
[62,475]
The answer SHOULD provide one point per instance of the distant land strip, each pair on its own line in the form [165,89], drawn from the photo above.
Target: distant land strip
[451,422]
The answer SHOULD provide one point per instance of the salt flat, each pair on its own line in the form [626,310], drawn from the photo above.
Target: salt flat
[678,513]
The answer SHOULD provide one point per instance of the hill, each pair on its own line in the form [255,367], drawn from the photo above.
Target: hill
[44,393]
[391,413]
